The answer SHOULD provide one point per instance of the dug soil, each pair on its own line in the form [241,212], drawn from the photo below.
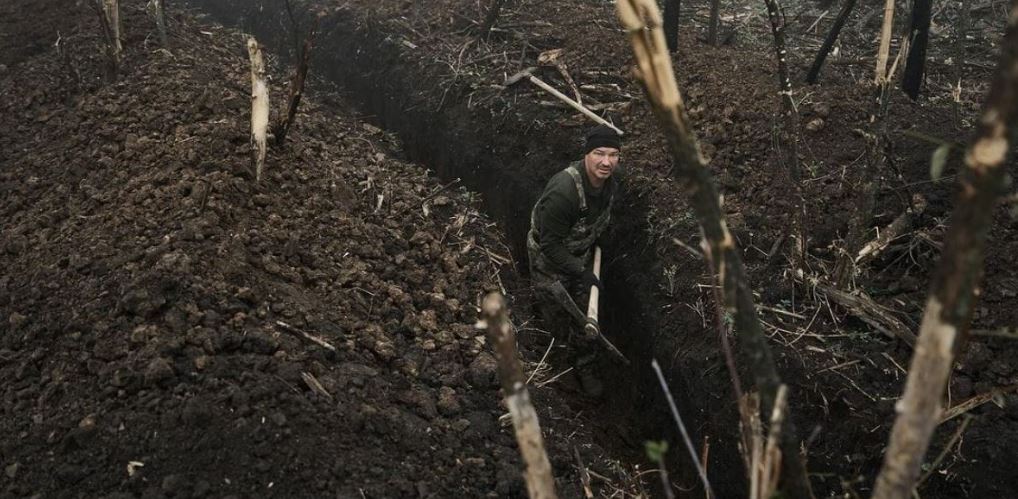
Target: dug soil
[158,303]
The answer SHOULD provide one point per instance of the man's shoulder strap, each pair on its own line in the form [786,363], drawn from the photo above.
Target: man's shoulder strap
[575,173]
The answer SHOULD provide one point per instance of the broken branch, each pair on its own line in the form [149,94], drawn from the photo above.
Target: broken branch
[495,318]
[259,107]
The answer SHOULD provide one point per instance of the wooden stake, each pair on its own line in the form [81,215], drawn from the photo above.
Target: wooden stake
[495,318]
[259,107]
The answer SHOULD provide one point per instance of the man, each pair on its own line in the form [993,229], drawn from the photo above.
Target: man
[568,219]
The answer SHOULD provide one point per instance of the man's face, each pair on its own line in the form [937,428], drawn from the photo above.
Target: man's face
[600,163]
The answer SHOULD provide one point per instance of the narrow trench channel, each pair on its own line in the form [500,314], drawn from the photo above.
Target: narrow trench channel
[455,143]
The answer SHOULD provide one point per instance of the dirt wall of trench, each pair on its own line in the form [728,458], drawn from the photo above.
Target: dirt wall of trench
[507,157]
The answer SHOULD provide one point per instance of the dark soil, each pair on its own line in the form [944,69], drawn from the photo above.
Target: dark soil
[166,323]
[154,297]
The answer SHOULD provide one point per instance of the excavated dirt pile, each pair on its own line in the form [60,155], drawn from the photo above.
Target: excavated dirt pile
[171,328]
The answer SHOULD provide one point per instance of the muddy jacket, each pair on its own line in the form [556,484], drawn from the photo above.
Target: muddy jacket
[565,223]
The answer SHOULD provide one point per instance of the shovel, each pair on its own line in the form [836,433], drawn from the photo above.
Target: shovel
[592,328]
[529,74]
[588,321]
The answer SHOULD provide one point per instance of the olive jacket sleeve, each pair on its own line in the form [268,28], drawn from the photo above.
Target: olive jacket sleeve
[557,212]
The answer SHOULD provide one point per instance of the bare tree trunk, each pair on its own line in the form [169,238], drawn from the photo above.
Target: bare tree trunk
[294,28]
[885,42]
[495,317]
[491,18]
[259,107]
[919,35]
[952,295]
[790,138]
[158,11]
[961,53]
[690,170]
[832,36]
[672,8]
[109,20]
[866,199]
[715,19]
[297,85]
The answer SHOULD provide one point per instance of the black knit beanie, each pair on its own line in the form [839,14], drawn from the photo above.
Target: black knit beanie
[602,136]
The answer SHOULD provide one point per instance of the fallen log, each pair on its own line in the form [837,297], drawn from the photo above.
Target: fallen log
[897,228]
[860,305]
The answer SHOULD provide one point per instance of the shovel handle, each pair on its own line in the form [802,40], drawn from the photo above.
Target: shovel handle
[595,293]
[573,104]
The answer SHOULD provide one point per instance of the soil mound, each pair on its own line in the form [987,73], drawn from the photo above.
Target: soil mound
[170,328]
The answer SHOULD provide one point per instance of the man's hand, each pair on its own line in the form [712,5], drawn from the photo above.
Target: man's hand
[591,330]
[589,279]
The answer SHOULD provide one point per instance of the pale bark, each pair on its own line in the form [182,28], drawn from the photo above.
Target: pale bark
[953,293]
[885,43]
[259,107]
[538,475]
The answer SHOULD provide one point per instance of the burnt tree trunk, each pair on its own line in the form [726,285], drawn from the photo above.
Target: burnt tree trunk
[832,36]
[671,25]
[691,173]
[789,139]
[297,85]
[953,293]
[491,18]
[159,13]
[961,53]
[715,19]
[919,34]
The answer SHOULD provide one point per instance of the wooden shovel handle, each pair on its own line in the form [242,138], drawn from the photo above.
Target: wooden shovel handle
[594,291]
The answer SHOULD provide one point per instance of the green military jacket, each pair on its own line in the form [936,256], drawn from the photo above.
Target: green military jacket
[565,223]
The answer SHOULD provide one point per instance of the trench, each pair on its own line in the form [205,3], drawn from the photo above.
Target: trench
[509,171]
